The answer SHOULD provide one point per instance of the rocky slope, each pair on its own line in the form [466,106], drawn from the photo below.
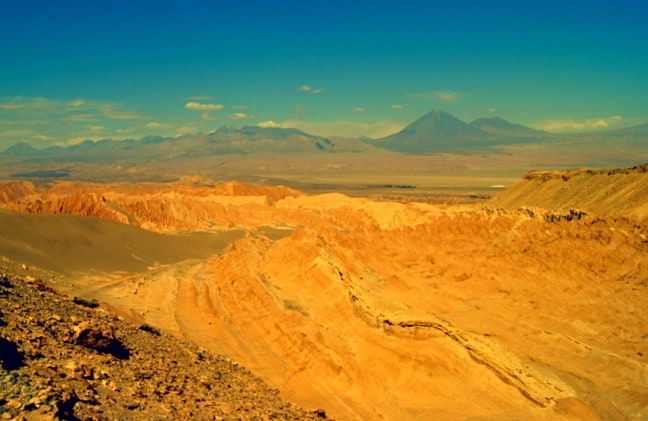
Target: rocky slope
[617,192]
[65,358]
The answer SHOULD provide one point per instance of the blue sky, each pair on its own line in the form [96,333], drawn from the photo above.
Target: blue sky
[86,69]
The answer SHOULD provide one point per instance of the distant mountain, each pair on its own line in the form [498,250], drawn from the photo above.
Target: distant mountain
[436,131]
[225,140]
[20,149]
[500,127]
[641,130]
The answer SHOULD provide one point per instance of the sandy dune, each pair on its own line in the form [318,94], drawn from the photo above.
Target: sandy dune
[376,310]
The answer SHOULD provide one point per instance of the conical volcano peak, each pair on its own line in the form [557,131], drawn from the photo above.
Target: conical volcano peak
[436,131]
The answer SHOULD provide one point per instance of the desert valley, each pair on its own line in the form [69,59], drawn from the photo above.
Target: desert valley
[349,210]
[368,289]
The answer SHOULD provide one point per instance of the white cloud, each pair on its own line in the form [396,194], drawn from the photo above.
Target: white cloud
[77,103]
[126,130]
[311,90]
[185,129]
[240,116]
[448,96]
[208,117]
[579,125]
[269,123]
[198,106]
[358,110]
[154,126]
[397,106]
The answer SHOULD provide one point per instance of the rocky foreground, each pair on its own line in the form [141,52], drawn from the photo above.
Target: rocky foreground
[68,358]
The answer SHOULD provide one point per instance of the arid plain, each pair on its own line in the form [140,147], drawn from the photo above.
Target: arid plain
[524,303]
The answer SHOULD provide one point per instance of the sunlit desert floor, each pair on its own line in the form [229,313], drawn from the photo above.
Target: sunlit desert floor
[370,309]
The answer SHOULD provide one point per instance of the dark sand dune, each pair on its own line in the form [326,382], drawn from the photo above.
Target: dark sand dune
[68,243]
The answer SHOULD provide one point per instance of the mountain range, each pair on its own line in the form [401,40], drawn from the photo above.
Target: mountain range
[435,132]
[439,131]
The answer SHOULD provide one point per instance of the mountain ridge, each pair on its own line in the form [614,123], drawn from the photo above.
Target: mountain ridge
[433,133]
[497,125]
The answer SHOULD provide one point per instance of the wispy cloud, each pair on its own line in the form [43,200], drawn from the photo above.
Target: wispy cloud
[358,110]
[29,103]
[55,121]
[208,117]
[571,125]
[81,118]
[123,115]
[310,89]
[79,109]
[439,96]
[157,126]
[199,106]
[449,96]
[185,129]
[96,129]
[397,106]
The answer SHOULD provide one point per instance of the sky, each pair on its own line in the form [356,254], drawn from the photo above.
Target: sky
[72,70]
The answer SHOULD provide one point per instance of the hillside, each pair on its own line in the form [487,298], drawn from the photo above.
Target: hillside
[69,358]
[618,192]
[383,310]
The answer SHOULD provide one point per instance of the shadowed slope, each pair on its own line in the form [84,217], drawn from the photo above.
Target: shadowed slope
[67,243]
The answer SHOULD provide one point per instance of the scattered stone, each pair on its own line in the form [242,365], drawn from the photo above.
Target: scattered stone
[11,357]
[320,413]
[150,329]
[86,303]
[99,338]
[5,282]
[65,405]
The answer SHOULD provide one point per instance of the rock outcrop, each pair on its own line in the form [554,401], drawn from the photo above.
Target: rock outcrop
[619,192]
